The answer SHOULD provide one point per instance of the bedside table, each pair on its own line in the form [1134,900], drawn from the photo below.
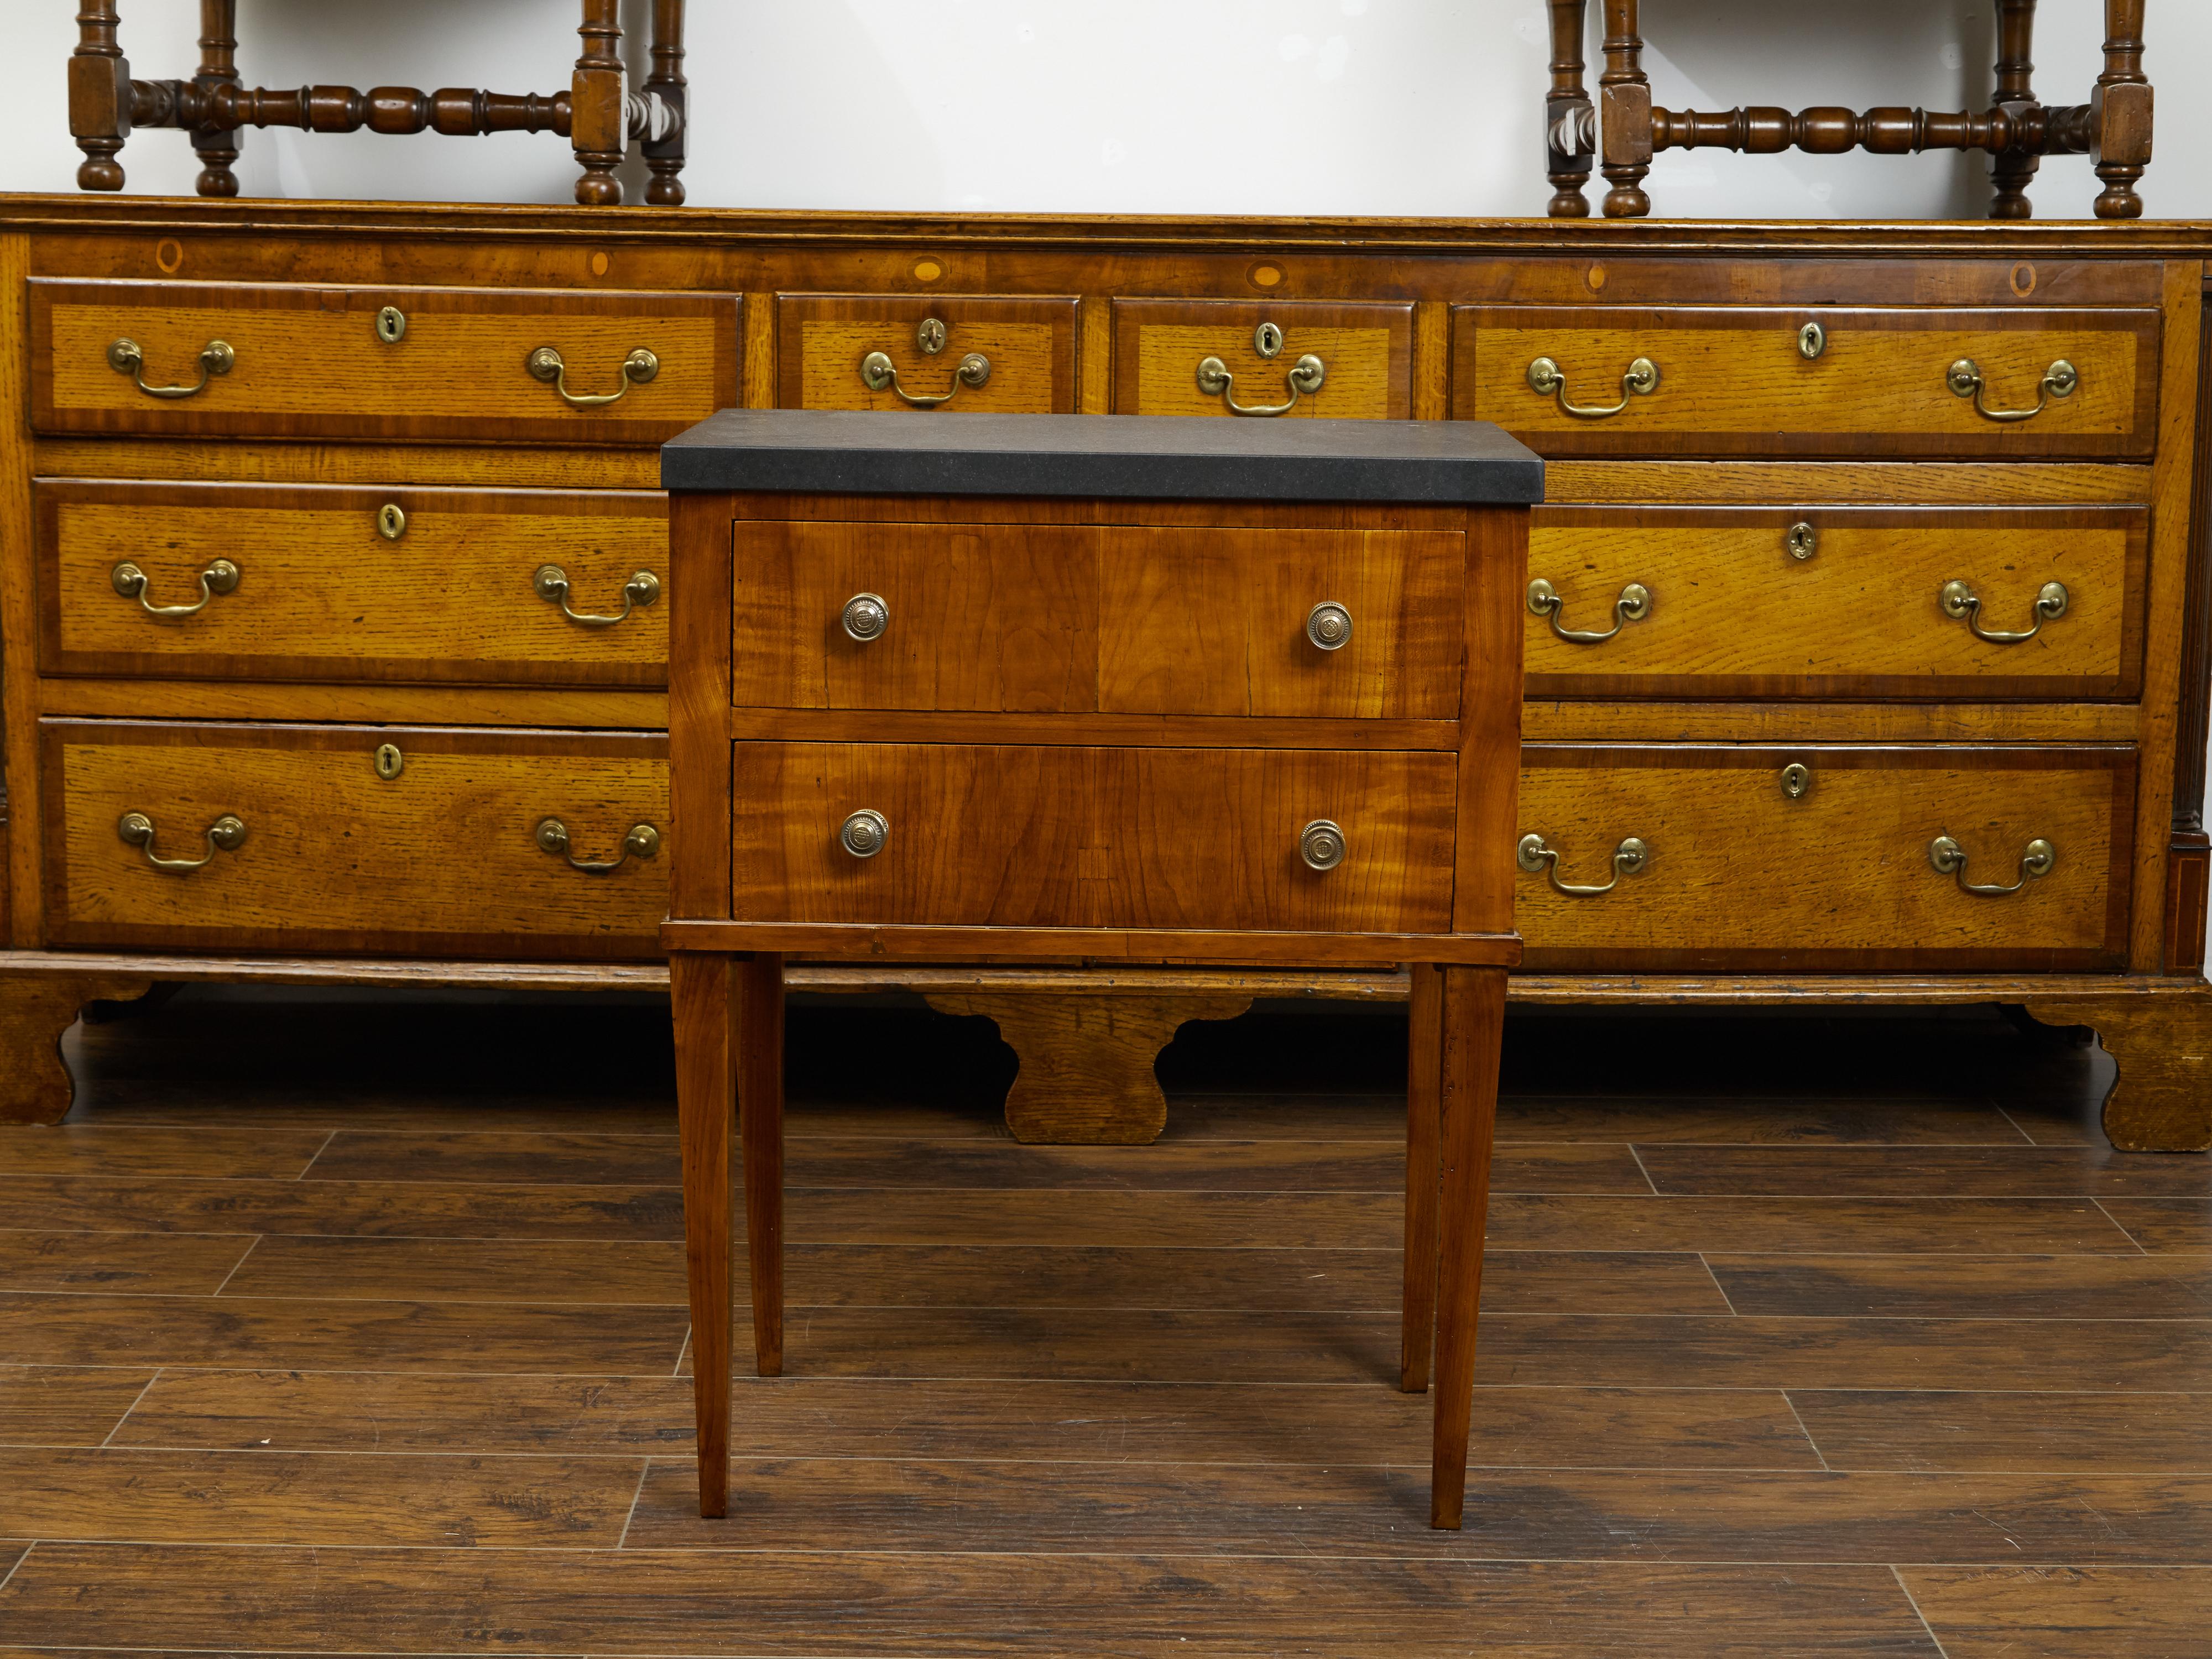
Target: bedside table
[1123,688]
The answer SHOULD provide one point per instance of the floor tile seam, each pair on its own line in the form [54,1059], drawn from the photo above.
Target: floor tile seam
[318,1153]
[1913,1602]
[244,1257]
[116,1427]
[629,1515]
[683,1352]
[1798,1417]
[16,1566]
[2098,1205]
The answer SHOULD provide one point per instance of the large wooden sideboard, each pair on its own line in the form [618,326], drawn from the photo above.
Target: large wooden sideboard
[412,727]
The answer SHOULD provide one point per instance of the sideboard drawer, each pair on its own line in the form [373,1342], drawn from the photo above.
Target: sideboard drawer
[1294,357]
[223,581]
[966,354]
[450,854]
[1626,381]
[1837,602]
[1723,858]
[1118,618]
[1068,836]
[297,362]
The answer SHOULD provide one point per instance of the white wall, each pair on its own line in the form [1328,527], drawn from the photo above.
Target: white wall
[1267,106]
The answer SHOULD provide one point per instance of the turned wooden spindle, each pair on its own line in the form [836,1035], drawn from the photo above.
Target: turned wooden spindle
[1570,118]
[217,145]
[664,92]
[600,114]
[1626,116]
[99,97]
[2015,168]
[2121,113]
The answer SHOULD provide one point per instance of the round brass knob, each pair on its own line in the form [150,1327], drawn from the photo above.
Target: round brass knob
[865,616]
[1321,844]
[863,835]
[1328,625]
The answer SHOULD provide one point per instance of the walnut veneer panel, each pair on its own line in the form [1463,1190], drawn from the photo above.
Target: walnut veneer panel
[323,593]
[1065,836]
[1738,873]
[1029,343]
[1851,608]
[1733,380]
[1366,352]
[309,362]
[442,858]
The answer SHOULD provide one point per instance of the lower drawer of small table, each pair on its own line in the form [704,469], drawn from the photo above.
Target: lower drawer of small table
[353,838]
[1682,857]
[1091,837]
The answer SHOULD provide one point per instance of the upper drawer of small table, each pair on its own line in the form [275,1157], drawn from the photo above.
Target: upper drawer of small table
[966,354]
[298,361]
[1114,618]
[1738,381]
[1228,357]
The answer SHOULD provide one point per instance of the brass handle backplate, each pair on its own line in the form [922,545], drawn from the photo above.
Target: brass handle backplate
[1949,859]
[1628,860]
[225,834]
[551,583]
[220,577]
[1547,380]
[1328,626]
[864,833]
[1960,601]
[880,374]
[1304,379]
[128,357]
[546,364]
[643,840]
[865,616]
[1965,380]
[1321,844]
[1634,604]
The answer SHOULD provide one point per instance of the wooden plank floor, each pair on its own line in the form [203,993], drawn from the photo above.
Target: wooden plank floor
[359,1328]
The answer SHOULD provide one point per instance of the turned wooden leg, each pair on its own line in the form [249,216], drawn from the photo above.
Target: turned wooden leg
[1086,1077]
[2120,113]
[703,994]
[760,1136]
[1424,1091]
[2012,171]
[1570,118]
[36,1010]
[217,146]
[99,96]
[599,124]
[1473,1033]
[668,139]
[2161,1042]
[1625,129]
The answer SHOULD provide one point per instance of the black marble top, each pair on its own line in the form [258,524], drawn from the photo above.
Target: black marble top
[1162,458]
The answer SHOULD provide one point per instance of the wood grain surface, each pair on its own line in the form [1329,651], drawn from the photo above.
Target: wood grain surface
[323,593]
[1734,382]
[297,1362]
[309,362]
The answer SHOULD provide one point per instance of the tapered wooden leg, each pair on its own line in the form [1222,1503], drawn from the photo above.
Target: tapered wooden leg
[703,991]
[1473,1030]
[1424,1088]
[760,1135]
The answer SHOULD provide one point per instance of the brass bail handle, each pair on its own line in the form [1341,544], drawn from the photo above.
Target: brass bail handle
[220,577]
[1547,380]
[551,583]
[1960,602]
[127,357]
[1948,858]
[546,364]
[1965,378]
[880,374]
[225,834]
[1634,604]
[1304,379]
[1629,858]
[643,840]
